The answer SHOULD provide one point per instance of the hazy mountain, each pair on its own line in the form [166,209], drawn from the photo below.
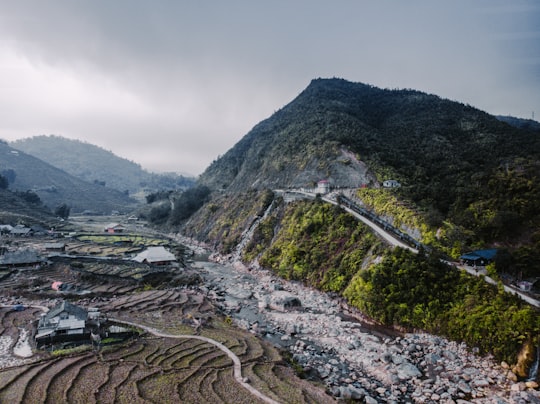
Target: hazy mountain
[95,164]
[14,209]
[519,122]
[55,187]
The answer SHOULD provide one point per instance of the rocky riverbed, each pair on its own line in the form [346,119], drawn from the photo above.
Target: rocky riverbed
[354,358]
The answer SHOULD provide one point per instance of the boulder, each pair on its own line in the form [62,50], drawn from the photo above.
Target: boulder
[407,371]
[283,301]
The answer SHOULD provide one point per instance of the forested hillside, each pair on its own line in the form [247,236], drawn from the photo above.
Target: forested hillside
[469,179]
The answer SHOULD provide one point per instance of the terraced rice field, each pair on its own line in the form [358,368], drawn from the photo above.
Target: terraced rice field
[151,369]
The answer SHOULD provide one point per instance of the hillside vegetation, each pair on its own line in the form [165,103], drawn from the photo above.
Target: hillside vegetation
[323,246]
[468,181]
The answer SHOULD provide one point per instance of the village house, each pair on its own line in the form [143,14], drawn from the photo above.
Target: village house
[5,229]
[323,187]
[21,258]
[54,247]
[479,257]
[115,228]
[21,231]
[71,324]
[158,255]
[64,322]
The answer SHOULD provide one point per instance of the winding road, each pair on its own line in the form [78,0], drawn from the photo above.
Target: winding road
[390,238]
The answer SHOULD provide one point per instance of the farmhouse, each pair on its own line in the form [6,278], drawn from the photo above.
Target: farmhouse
[55,247]
[479,257]
[21,231]
[114,228]
[21,258]
[64,322]
[323,187]
[67,323]
[155,256]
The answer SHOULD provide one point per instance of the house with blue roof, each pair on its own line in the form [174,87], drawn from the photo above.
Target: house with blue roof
[479,257]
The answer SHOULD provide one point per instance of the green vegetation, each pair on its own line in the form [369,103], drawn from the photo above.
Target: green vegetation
[188,203]
[4,183]
[62,211]
[132,239]
[319,244]
[71,351]
[99,166]
[419,291]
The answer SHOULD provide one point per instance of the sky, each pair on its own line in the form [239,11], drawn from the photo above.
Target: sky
[174,84]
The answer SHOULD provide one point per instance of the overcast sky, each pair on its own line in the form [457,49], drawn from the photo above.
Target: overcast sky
[174,84]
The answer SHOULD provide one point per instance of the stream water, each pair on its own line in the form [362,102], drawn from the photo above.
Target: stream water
[533,372]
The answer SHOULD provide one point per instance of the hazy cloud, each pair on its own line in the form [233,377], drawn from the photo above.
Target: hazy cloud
[173,84]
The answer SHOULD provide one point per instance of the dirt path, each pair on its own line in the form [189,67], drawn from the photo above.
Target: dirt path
[236,361]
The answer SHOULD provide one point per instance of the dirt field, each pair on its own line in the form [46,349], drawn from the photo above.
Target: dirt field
[145,368]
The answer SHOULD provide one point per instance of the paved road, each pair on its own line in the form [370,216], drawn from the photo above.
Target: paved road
[397,242]
[379,230]
[492,281]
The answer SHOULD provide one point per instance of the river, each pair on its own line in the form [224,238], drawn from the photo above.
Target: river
[350,355]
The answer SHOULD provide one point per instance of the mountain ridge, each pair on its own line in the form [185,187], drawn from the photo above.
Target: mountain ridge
[56,187]
[95,164]
[419,139]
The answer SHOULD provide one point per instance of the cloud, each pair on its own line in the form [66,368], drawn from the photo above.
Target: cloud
[173,84]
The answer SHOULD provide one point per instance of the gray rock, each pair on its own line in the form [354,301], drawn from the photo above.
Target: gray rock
[464,387]
[283,301]
[370,400]
[432,358]
[407,371]
[351,392]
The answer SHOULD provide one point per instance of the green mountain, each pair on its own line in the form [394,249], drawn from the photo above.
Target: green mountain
[56,187]
[468,181]
[94,164]
[454,161]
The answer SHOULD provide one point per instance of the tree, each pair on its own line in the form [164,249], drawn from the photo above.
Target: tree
[29,196]
[188,203]
[62,211]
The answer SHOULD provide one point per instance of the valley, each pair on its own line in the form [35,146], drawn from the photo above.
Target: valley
[341,354]
[164,365]
[327,256]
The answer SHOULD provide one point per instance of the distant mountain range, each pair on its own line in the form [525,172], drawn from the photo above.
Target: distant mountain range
[56,187]
[97,165]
